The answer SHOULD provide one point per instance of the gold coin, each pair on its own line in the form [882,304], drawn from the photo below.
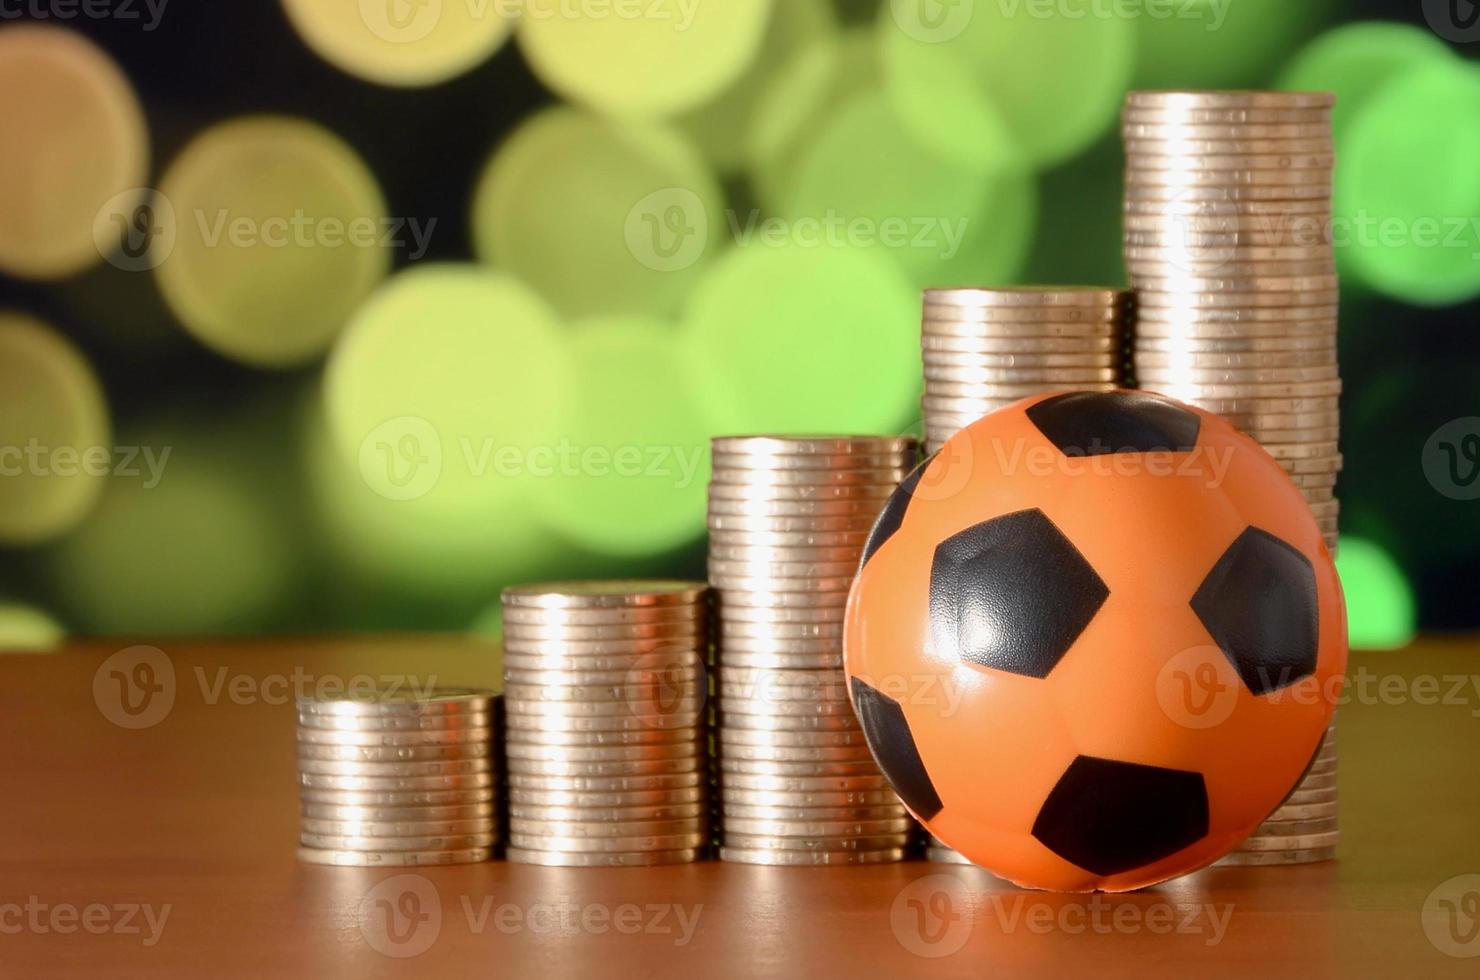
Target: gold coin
[1257,858]
[776,445]
[393,753]
[583,845]
[605,595]
[1293,842]
[387,859]
[557,859]
[1171,99]
[598,830]
[736,855]
[1320,160]
[381,828]
[1030,296]
[609,800]
[607,784]
[449,815]
[442,842]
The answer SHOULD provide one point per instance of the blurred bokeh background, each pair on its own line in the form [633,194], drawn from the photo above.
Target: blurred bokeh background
[342,314]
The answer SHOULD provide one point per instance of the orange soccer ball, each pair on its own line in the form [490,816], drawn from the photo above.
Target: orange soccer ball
[1096,640]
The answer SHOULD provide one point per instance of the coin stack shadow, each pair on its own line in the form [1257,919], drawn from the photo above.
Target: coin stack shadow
[986,348]
[1228,246]
[788,521]
[605,691]
[398,779]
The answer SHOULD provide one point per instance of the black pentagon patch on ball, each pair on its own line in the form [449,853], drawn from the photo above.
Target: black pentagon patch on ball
[1091,423]
[1108,817]
[1012,594]
[1260,606]
[893,747]
[893,514]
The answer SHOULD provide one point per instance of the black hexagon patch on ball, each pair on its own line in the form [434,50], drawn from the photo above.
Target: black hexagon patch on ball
[1109,817]
[892,516]
[893,747]
[1259,604]
[1012,593]
[1093,423]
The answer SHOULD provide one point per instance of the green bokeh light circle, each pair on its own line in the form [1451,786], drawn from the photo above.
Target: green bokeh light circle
[721,126]
[805,337]
[599,216]
[1005,76]
[865,169]
[1380,606]
[639,443]
[442,399]
[1357,60]
[1408,186]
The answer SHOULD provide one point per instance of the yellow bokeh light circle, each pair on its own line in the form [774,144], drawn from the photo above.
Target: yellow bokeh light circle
[55,443]
[646,58]
[403,42]
[74,139]
[279,232]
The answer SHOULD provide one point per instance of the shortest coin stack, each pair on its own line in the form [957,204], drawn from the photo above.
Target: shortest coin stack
[394,779]
[987,348]
[789,517]
[605,686]
[1304,829]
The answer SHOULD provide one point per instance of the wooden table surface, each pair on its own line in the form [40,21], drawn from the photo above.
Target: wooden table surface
[168,850]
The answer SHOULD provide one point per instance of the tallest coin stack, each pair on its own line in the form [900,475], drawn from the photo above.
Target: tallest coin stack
[1227,242]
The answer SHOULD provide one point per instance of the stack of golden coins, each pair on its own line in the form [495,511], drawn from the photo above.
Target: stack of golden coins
[394,779]
[986,348]
[788,520]
[605,690]
[1227,241]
